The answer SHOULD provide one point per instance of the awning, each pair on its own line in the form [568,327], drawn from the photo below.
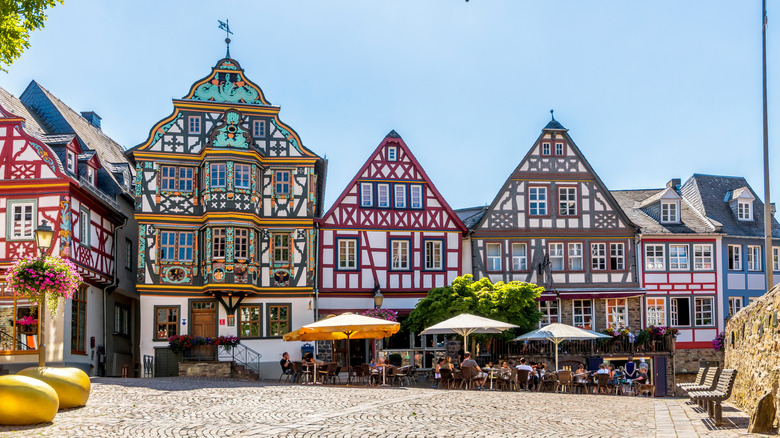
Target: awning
[590,294]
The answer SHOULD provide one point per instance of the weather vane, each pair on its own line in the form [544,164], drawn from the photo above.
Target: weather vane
[225,25]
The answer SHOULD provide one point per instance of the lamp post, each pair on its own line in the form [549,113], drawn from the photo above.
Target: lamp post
[43,235]
[378,299]
[767,203]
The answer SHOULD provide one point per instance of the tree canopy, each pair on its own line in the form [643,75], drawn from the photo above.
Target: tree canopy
[511,302]
[17,19]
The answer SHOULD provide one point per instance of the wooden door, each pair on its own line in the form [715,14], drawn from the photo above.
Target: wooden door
[203,323]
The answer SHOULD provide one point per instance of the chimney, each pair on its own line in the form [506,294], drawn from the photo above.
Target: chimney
[92,118]
[673,183]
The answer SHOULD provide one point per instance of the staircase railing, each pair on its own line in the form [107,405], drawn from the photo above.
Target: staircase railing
[241,355]
[18,345]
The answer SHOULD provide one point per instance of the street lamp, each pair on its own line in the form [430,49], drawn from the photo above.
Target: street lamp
[43,236]
[378,297]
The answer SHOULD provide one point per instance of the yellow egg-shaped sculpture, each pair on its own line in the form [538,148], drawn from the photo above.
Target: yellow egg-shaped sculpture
[24,400]
[72,384]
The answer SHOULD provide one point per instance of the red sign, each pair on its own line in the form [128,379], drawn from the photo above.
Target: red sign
[221,322]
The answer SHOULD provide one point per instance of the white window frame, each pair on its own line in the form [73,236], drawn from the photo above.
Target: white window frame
[567,201]
[655,262]
[347,254]
[559,149]
[416,196]
[366,195]
[392,153]
[399,195]
[702,257]
[615,311]
[735,257]
[678,261]
[775,258]
[91,175]
[493,260]
[546,149]
[434,254]
[674,312]
[617,253]
[193,125]
[701,311]
[580,311]
[598,256]
[557,257]
[519,256]
[576,255]
[655,311]
[27,227]
[383,195]
[670,212]
[754,258]
[399,255]
[550,312]
[71,161]
[735,305]
[744,210]
[537,201]
[85,220]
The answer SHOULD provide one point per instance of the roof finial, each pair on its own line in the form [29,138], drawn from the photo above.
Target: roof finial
[551,115]
[226,27]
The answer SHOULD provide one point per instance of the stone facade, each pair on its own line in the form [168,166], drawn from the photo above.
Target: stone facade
[205,369]
[753,349]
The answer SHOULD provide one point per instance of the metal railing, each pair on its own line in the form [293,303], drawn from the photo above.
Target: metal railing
[17,344]
[240,354]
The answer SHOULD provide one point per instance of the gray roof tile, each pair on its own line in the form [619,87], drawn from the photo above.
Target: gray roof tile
[632,201]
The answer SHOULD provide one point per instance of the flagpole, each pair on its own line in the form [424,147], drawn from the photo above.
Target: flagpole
[767,203]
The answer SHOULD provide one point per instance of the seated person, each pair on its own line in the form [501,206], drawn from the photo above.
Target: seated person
[437,373]
[448,363]
[308,358]
[479,377]
[642,377]
[505,370]
[581,375]
[524,366]
[287,366]
[603,369]
[489,364]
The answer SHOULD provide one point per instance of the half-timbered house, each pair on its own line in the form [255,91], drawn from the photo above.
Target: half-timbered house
[58,166]
[226,194]
[390,231]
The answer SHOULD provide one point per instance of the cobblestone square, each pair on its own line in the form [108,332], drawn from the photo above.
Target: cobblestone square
[179,407]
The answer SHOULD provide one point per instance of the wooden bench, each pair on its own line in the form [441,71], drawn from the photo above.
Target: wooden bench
[698,381]
[710,382]
[721,393]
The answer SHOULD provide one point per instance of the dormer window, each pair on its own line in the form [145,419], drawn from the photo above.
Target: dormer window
[559,149]
[91,175]
[744,210]
[71,162]
[545,148]
[392,153]
[194,124]
[670,212]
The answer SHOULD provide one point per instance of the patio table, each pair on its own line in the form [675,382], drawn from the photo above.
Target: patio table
[491,375]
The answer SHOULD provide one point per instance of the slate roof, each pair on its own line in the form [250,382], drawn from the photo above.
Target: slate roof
[708,192]
[12,104]
[632,201]
[471,216]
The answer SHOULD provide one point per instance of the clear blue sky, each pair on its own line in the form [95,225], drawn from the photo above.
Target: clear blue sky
[649,90]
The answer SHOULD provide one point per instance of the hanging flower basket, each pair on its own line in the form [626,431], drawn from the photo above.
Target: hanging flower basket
[179,343]
[49,278]
[390,315]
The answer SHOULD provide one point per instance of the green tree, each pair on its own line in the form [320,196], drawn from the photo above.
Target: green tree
[17,19]
[511,302]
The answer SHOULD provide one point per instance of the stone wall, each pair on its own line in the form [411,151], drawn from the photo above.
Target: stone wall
[687,362]
[753,349]
[205,369]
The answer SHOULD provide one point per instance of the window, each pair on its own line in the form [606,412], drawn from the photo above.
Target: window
[366,195]
[598,256]
[537,201]
[194,124]
[558,148]
[744,210]
[185,179]
[575,257]
[545,148]
[549,311]
[392,153]
[91,175]
[84,227]
[583,314]
[185,246]
[282,183]
[400,195]
[78,321]
[347,253]
[217,174]
[735,305]
[678,257]
[433,254]
[617,312]
[249,321]
[656,311]
[493,251]
[702,257]
[416,196]
[167,322]
[71,162]
[22,223]
[680,311]
[519,257]
[242,172]
[383,195]
[776,259]
[168,180]
[754,258]
[704,311]
[168,245]
[258,128]
[281,249]
[19,324]
[654,257]
[617,259]
[399,254]
[128,254]
[735,257]
[556,257]
[121,320]
[278,320]
[218,243]
[241,243]
[567,201]
[670,212]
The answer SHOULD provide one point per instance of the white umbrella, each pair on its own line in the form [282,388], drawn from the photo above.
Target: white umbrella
[557,333]
[466,324]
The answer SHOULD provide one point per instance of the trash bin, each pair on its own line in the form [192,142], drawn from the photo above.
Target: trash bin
[307,348]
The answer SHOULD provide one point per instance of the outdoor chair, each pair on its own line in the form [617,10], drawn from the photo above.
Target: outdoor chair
[390,376]
[467,376]
[358,373]
[548,381]
[698,381]
[446,378]
[580,386]
[402,375]
[504,381]
[721,393]
[521,379]
[297,371]
[564,381]
[602,382]
[366,373]
[710,382]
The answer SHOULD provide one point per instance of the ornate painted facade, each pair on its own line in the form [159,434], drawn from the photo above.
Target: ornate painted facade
[226,195]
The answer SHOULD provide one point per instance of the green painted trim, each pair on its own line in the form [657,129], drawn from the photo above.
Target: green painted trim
[268,318]
[154,322]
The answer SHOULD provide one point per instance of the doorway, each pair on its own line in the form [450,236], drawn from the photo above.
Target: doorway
[203,322]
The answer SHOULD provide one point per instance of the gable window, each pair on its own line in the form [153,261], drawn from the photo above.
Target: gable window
[776,259]
[519,257]
[21,224]
[91,175]
[399,255]
[545,148]
[656,311]
[278,320]
[556,257]
[493,251]
[704,311]
[128,254]
[250,321]
[218,243]
[702,257]
[582,312]
[84,221]
[680,311]
[241,243]
[392,153]
[258,128]
[735,257]
[416,196]
[567,201]
[735,305]
[71,162]
[383,195]
[754,258]
[617,257]
[281,249]
[433,254]
[575,257]
[617,312]
[166,322]
[282,183]
[242,173]
[537,201]
[744,210]
[347,253]
[678,257]
[400,195]
[670,212]
[598,256]
[366,195]
[168,180]
[185,179]
[78,322]
[185,246]
[549,311]
[558,148]
[194,124]
[654,258]
[217,174]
